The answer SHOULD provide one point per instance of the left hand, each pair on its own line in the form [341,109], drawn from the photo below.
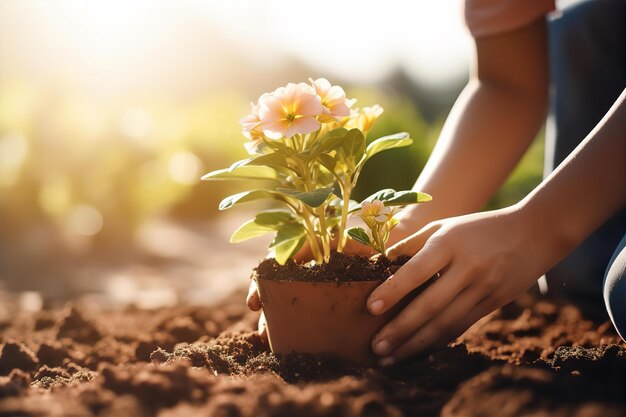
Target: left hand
[485,260]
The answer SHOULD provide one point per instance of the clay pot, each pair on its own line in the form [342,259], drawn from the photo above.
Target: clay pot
[321,318]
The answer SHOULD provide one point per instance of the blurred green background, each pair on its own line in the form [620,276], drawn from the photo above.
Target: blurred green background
[110,113]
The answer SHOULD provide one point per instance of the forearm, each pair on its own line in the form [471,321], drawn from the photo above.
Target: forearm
[486,134]
[489,128]
[586,189]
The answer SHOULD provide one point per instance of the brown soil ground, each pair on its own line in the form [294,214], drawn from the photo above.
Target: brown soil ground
[531,358]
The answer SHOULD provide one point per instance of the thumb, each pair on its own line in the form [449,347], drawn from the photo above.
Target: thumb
[411,245]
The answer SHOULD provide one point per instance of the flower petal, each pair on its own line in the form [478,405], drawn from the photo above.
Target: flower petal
[321,85]
[276,129]
[381,218]
[340,111]
[310,105]
[305,125]
[335,93]
[270,109]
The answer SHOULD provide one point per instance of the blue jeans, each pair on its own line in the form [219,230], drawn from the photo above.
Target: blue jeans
[588,72]
[615,289]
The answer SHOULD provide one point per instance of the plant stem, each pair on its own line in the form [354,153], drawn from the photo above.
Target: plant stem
[380,243]
[310,229]
[321,214]
[345,191]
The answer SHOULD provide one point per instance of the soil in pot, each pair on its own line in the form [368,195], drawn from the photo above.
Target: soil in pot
[322,309]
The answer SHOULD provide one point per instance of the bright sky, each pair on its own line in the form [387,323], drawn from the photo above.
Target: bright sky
[359,40]
[119,43]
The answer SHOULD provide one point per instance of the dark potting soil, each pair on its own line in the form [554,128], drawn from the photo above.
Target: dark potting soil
[531,358]
[340,268]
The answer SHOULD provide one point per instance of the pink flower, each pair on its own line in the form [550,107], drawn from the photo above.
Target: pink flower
[333,98]
[251,122]
[289,110]
[375,210]
[364,118]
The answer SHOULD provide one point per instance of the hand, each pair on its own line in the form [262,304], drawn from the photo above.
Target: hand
[254,304]
[485,260]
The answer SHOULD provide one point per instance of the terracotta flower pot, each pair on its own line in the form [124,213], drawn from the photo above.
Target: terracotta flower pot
[321,318]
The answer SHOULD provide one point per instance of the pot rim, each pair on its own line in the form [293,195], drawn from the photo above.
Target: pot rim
[335,283]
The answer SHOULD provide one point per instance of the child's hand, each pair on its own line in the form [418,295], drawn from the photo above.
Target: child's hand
[485,260]
[254,304]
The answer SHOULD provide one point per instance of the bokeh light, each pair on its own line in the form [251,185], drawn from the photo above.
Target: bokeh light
[111,111]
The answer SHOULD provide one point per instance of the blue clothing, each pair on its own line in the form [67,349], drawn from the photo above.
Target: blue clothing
[587,44]
[615,288]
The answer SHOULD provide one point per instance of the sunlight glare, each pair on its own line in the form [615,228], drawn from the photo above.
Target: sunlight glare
[84,220]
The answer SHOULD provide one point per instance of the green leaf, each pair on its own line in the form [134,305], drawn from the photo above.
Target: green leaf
[274,218]
[270,159]
[275,160]
[382,195]
[391,197]
[313,198]
[360,235]
[242,197]
[249,230]
[332,140]
[240,163]
[397,140]
[288,241]
[354,144]
[327,161]
[329,142]
[243,173]
[280,147]
[264,222]
[256,147]
[402,198]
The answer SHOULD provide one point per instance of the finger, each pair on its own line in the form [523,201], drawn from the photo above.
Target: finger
[422,309]
[427,262]
[353,247]
[304,254]
[469,307]
[262,327]
[253,300]
[414,243]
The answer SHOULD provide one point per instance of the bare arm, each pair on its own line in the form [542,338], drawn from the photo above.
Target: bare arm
[586,188]
[491,125]
[487,259]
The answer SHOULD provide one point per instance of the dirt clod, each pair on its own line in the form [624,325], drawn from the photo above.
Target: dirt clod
[16,356]
[531,358]
[74,326]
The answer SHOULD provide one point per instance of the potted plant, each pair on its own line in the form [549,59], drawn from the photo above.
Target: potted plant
[309,146]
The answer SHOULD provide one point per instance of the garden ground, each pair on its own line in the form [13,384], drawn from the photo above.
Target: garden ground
[534,357]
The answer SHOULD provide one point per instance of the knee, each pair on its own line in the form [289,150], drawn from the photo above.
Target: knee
[615,289]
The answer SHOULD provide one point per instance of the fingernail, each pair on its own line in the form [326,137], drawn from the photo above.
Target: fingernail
[381,347]
[376,306]
[388,361]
